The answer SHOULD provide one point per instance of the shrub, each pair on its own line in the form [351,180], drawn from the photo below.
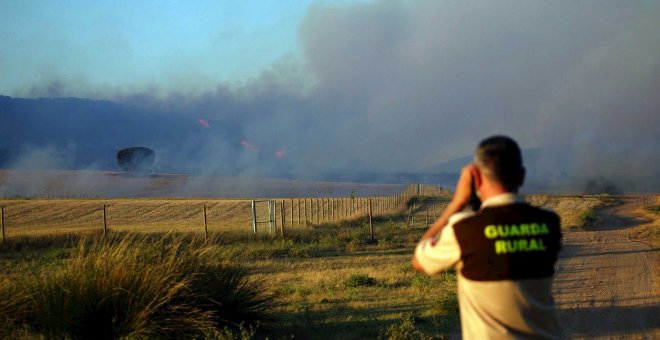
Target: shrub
[588,217]
[404,330]
[447,303]
[423,281]
[136,287]
[652,208]
[359,280]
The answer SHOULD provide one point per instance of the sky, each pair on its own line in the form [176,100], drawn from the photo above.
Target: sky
[381,85]
[120,45]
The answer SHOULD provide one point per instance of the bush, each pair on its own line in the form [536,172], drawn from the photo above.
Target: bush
[423,281]
[447,303]
[588,217]
[136,287]
[360,280]
[404,330]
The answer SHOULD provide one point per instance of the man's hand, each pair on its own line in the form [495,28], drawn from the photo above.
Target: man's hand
[459,201]
[464,186]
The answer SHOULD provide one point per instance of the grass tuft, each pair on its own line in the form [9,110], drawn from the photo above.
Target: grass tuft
[404,330]
[588,217]
[136,287]
[360,280]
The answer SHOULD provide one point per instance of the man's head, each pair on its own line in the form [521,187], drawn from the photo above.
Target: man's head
[498,158]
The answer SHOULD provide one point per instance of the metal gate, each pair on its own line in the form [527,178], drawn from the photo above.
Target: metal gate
[271,221]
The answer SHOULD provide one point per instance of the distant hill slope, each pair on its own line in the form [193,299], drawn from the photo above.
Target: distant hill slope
[215,140]
[530,156]
[85,134]
[547,169]
[75,133]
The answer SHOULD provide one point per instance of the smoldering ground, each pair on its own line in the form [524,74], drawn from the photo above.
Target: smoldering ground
[387,86]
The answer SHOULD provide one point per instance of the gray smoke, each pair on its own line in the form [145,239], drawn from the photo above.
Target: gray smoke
[401,86]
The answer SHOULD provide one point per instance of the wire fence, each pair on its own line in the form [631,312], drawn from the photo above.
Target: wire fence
[51,216]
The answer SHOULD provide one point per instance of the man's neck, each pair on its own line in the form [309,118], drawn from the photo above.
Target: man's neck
[488,190]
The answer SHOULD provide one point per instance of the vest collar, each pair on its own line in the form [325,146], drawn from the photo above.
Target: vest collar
[501,199]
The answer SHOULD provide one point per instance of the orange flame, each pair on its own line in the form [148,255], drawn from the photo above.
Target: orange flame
[249,146]
[203,122]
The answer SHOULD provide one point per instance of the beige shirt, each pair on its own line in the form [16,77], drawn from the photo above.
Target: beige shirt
[503,309]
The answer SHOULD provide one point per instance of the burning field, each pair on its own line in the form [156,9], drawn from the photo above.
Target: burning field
[107,184]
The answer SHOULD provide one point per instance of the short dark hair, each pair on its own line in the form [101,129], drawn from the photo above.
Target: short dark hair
[499,158]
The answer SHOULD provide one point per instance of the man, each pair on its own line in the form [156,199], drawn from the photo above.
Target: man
[504,253]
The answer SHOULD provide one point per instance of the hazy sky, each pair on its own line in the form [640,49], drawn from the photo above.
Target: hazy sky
[128,44]
[382,85]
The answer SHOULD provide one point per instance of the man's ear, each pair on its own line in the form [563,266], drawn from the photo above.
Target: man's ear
[476,177]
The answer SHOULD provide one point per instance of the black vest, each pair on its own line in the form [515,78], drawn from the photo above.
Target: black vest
[509,242]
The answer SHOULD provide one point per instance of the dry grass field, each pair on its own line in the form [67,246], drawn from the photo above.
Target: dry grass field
[51,216]
[327,280]
[113,184]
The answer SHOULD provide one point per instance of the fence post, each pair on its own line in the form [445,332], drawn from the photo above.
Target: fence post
[254,218]
[371,225]
[105,222]
[333,201]
[305,210]
[343,203]
[291,223]
[283,213]
[426,213]
[2,222]
[206,226]
[298,224]
[273,221]
[322,209]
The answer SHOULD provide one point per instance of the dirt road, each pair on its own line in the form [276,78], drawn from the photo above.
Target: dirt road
[607,285]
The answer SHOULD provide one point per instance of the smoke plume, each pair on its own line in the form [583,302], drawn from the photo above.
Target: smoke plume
[389,86]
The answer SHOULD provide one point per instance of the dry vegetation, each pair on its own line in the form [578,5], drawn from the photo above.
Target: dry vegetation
[131,287]
[327,281]
[575,211]
[24,217]
[39,216]
[650,231]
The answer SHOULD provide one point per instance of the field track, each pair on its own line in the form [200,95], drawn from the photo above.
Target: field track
[607,285]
